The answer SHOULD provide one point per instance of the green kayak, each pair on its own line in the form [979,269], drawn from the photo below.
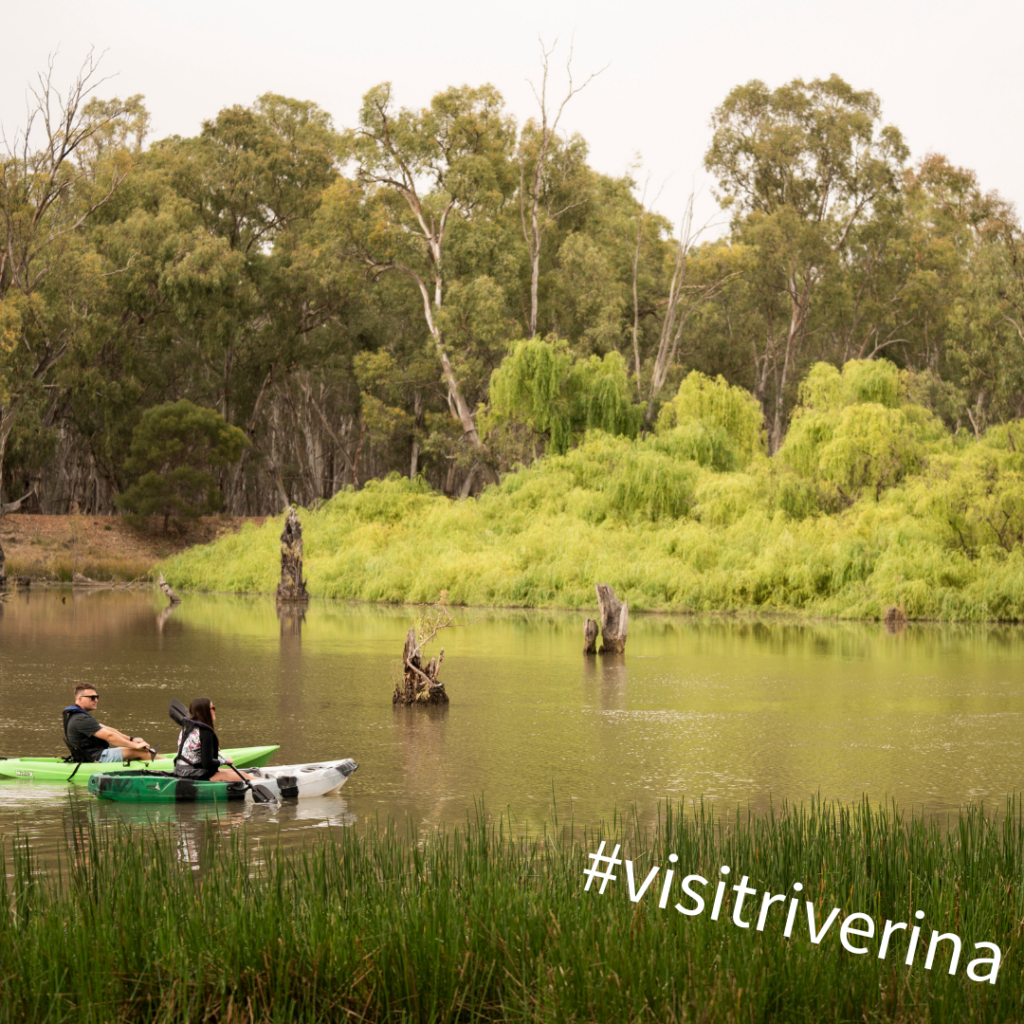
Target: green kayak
[56,769]
[282,782]
[162,788]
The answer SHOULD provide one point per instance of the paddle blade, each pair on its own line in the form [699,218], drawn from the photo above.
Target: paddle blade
[178,712]
[262,795]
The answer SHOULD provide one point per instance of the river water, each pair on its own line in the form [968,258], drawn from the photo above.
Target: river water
[737,711]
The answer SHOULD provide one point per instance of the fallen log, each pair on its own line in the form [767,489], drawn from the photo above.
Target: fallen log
[614,615]
[78,580]
[420,684]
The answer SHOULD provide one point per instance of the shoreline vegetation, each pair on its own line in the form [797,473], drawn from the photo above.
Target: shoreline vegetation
[871,503]
[52,548]
[483,923]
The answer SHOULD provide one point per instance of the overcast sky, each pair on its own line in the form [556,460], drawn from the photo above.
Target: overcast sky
[950,75]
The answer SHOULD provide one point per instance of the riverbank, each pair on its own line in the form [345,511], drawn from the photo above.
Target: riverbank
[477,924]
[54,548]
[545,536]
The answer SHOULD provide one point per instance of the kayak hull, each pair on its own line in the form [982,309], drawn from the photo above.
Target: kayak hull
[286,782]
[56,769]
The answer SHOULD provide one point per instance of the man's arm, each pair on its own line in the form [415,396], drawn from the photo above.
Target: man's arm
[119,739]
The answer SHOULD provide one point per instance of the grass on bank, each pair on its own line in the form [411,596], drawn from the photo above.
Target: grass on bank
[479,924]
[61,569]
[870,503]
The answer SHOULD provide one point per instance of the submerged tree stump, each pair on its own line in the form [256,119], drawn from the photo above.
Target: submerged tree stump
[895,618]
[614,615]
[589,637]
[292,588]
[419,685]
[165,587]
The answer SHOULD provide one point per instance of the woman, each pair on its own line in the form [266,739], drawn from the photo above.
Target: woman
[198,754]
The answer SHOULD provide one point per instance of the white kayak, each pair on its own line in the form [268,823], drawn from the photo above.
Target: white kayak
[291,781]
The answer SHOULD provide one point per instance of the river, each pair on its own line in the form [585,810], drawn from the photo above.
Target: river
[736,711]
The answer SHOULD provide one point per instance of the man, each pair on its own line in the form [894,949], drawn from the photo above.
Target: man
[91,741]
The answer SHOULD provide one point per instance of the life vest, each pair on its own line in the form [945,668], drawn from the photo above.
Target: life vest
[188,726]
[77,754]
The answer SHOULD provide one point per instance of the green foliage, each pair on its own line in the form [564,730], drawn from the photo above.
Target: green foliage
[712,423]
[855,432]
[980,495]
[541,384]
[935,528]
[338,296]
[174,448]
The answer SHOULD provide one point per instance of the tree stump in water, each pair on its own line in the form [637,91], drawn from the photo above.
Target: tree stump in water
[167,591]
[589,637]
[895,619]
[420,685]
[292,588]
[614,616]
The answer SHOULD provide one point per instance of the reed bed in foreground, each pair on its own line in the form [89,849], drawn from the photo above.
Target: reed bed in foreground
[482,924]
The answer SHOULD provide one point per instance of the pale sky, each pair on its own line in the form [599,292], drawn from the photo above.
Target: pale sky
[950,75]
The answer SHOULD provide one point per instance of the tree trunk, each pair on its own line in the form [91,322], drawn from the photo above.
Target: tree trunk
[589,637]
[419,685]
[417,426]
[292,588]
[166,588]
[614,615]
[798,316]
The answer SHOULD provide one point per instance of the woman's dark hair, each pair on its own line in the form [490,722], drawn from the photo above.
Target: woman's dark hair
[199,711]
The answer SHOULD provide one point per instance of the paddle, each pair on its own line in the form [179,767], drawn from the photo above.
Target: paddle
[260,794]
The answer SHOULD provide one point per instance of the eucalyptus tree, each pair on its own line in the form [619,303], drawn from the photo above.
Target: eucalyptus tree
[801,166]
[982,333]
[59,169]
[238,296]
[553,173]
[421,178]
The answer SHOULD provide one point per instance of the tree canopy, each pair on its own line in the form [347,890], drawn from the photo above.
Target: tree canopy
[448,292]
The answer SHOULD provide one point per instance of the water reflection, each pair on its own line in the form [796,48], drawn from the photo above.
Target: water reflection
[737,710]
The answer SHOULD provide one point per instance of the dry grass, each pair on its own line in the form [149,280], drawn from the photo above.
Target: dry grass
[100,547]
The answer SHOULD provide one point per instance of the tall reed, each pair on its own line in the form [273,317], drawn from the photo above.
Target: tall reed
[482,923]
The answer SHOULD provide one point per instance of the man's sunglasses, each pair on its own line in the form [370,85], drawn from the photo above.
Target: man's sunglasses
[91,696]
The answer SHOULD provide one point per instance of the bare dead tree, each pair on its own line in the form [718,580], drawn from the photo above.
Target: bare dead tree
[683,300]
[641,224]
[535,186]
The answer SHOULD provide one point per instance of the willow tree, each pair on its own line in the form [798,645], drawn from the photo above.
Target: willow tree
[540,383]
[710,421]
[801,166]
[857,431]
